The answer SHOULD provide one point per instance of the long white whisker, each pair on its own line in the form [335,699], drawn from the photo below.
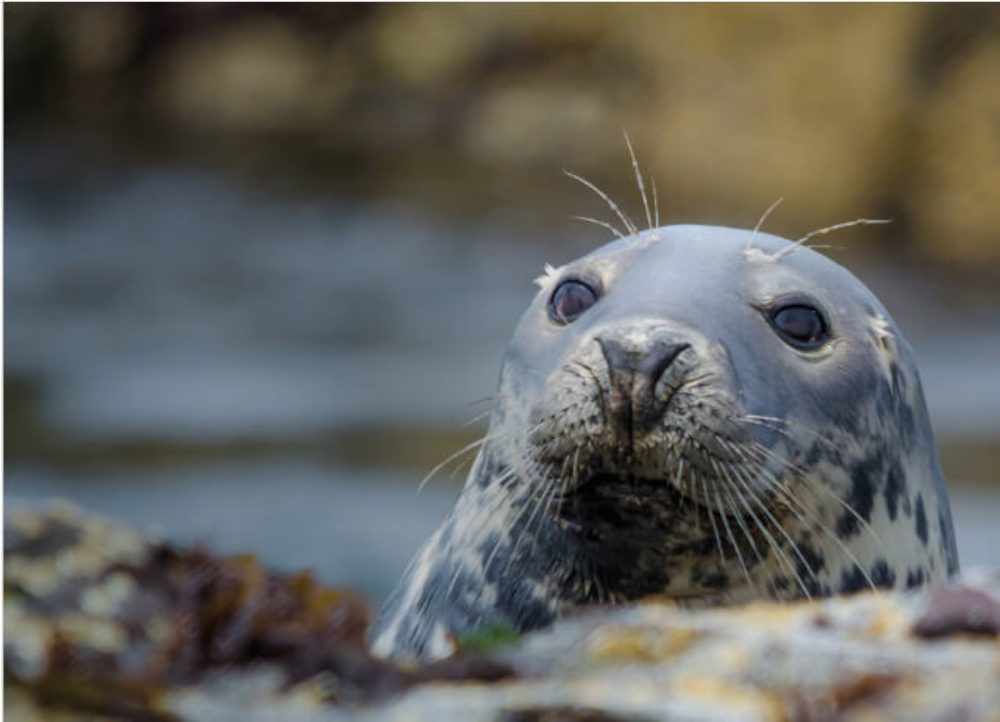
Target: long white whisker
[451,457]
[478,417]
[711,519]
[626,221]
[740,522]
[500,501]
[656,203]
[732,538]
[792,503]
[801,242]
[741,478]
[760,221]
[638,180]
[598,222]
[812,485]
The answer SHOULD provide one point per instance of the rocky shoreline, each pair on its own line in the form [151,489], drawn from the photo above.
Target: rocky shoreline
[101,623]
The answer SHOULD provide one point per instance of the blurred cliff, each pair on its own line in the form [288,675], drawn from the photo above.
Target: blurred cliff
[851,110]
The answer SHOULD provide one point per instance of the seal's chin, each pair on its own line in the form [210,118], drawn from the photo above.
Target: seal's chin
[606,504]
[608,494]
[627,533]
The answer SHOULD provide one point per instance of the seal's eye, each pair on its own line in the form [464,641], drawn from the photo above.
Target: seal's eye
[570,299]
[800,326]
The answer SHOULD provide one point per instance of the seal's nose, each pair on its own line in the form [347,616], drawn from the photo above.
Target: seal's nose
[634,368]
[650,362]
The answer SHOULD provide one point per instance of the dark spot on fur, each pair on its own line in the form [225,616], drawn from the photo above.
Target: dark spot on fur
[779,584]
[914,578]
[808,563]
[894,488]
[486,550]
[921,520]
[853,580]
[862,496]
[813,456]
[717,580]
[882,574]
[703,547]
[947,539]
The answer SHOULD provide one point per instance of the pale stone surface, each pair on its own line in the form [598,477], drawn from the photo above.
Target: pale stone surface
[925,655]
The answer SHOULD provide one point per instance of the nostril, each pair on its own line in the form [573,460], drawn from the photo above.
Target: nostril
[659,358]
[617,356]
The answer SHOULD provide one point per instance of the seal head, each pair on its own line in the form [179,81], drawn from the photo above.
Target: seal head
[710,414]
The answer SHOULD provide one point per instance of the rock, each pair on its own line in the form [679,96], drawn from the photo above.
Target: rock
[103,623]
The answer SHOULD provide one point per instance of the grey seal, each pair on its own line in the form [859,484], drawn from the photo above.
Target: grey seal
[710,414]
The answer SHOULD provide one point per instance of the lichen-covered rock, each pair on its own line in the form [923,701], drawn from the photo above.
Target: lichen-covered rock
[101,620]
[103,624]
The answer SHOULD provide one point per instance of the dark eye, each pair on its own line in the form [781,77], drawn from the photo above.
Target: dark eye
[570,299]
[800,326]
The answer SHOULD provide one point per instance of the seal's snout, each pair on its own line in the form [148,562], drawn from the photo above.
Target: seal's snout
[636,363]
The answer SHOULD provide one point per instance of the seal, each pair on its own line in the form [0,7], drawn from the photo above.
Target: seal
[709,414]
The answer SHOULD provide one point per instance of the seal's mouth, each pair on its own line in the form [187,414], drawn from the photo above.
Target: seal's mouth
[619,498]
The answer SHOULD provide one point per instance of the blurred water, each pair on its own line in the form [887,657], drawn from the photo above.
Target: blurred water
[351,527]
[358,528]
[168,303]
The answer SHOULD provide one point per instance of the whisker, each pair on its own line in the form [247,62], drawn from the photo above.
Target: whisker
[478,417]
[791,500]
[484,511]
[491,435]
[626,221]
[729,533]
[656,203]
[638,180]
[792,503]
[451,457]
[598,222]
[739,521]
[801,242]
[804,478]
[774,424]
[771,542]
[534,503]
[711,518]
[741,478]
[760,221]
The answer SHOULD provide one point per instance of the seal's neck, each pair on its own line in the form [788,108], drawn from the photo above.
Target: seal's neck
[492,561]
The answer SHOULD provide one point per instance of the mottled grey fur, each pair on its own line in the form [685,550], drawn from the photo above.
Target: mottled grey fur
[748,469]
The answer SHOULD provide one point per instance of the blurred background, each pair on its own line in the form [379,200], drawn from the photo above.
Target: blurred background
[261,262]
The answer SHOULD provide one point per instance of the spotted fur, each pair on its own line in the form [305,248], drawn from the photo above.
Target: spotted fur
[746,469]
